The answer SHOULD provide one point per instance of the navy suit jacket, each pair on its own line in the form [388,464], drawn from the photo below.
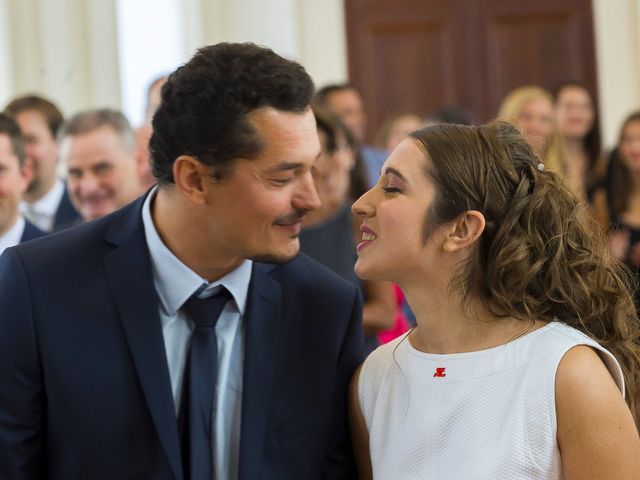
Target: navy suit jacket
[31,232]
[66,214]
[84,382]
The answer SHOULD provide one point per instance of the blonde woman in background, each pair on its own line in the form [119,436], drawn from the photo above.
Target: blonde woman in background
[531,109]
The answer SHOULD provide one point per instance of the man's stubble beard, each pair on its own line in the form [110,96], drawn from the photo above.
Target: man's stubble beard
[274,258]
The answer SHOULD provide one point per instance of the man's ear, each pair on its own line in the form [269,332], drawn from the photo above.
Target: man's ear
[142,160]
[464,231]
[26,172]
[190,177]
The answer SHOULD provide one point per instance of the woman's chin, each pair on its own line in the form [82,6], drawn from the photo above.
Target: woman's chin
[361,270]
[366,271]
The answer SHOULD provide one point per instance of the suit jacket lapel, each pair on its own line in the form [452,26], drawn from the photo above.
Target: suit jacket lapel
[263,321]
[128,269]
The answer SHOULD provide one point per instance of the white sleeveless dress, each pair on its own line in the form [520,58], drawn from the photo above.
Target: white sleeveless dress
[486,415]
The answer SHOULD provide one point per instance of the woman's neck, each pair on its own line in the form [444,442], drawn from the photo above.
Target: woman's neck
[446,324]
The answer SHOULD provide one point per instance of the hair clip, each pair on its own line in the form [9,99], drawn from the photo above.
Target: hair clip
[541,166]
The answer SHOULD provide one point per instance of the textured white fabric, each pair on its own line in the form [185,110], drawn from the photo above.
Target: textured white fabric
[480,415]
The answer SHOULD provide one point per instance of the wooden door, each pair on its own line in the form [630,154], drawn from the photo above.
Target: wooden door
[420,55]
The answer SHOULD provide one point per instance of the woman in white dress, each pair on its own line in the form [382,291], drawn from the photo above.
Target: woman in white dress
[527,338]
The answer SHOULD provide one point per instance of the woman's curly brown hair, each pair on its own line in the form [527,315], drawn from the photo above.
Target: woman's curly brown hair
[541,255]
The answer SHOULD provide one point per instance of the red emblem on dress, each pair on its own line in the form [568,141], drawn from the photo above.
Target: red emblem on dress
[440,372]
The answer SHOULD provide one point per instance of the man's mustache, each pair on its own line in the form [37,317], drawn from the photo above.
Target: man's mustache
[291,218]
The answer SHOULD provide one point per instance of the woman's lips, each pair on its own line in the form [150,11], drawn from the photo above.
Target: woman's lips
[368,236]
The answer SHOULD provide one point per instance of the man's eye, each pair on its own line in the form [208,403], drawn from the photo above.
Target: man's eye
[282,181]
[102,168]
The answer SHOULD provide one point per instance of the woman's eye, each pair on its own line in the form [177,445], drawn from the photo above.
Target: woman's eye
[391,189]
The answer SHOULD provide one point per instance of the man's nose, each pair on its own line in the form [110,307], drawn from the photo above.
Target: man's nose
[307,197]
[88,184]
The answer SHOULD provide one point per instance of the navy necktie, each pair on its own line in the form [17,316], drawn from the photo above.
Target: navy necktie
[200,380]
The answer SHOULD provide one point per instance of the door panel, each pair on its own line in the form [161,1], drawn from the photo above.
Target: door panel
[422,55]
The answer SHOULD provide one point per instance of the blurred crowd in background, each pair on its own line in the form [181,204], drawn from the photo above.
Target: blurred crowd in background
[58,172]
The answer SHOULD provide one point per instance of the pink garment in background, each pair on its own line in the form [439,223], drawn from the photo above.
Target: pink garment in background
[401,325]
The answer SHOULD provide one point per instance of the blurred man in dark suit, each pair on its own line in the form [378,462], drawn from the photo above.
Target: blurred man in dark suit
[15,173]
[345,101]
[46,202]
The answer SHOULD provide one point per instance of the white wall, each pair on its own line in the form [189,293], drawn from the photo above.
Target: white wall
[271,23]
[92,53]
[102,58]
[308,31]
[323,43]
[6,72]
[617,34]
[145,53]
[63,49]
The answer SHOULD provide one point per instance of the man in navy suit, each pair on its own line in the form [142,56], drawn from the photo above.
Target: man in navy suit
[15,174]
[106,366]
[46,202]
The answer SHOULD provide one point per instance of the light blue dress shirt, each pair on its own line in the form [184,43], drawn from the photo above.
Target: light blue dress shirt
[373,159]
[175,283]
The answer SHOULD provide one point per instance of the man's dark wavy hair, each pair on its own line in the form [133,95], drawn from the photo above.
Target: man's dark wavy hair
[205,105]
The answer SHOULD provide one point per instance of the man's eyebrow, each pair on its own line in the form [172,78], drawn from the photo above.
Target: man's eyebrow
[394,172]
[285,166]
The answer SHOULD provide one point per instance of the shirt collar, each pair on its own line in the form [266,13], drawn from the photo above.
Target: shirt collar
[13,235]
[175,282]
[48,204]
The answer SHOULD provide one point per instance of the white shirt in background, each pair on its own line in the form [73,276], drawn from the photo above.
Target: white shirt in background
[42,213]
[13,235]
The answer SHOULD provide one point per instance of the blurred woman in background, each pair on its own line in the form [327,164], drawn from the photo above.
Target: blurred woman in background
[531,109]
[617,204]
[330,233]
[578,123]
